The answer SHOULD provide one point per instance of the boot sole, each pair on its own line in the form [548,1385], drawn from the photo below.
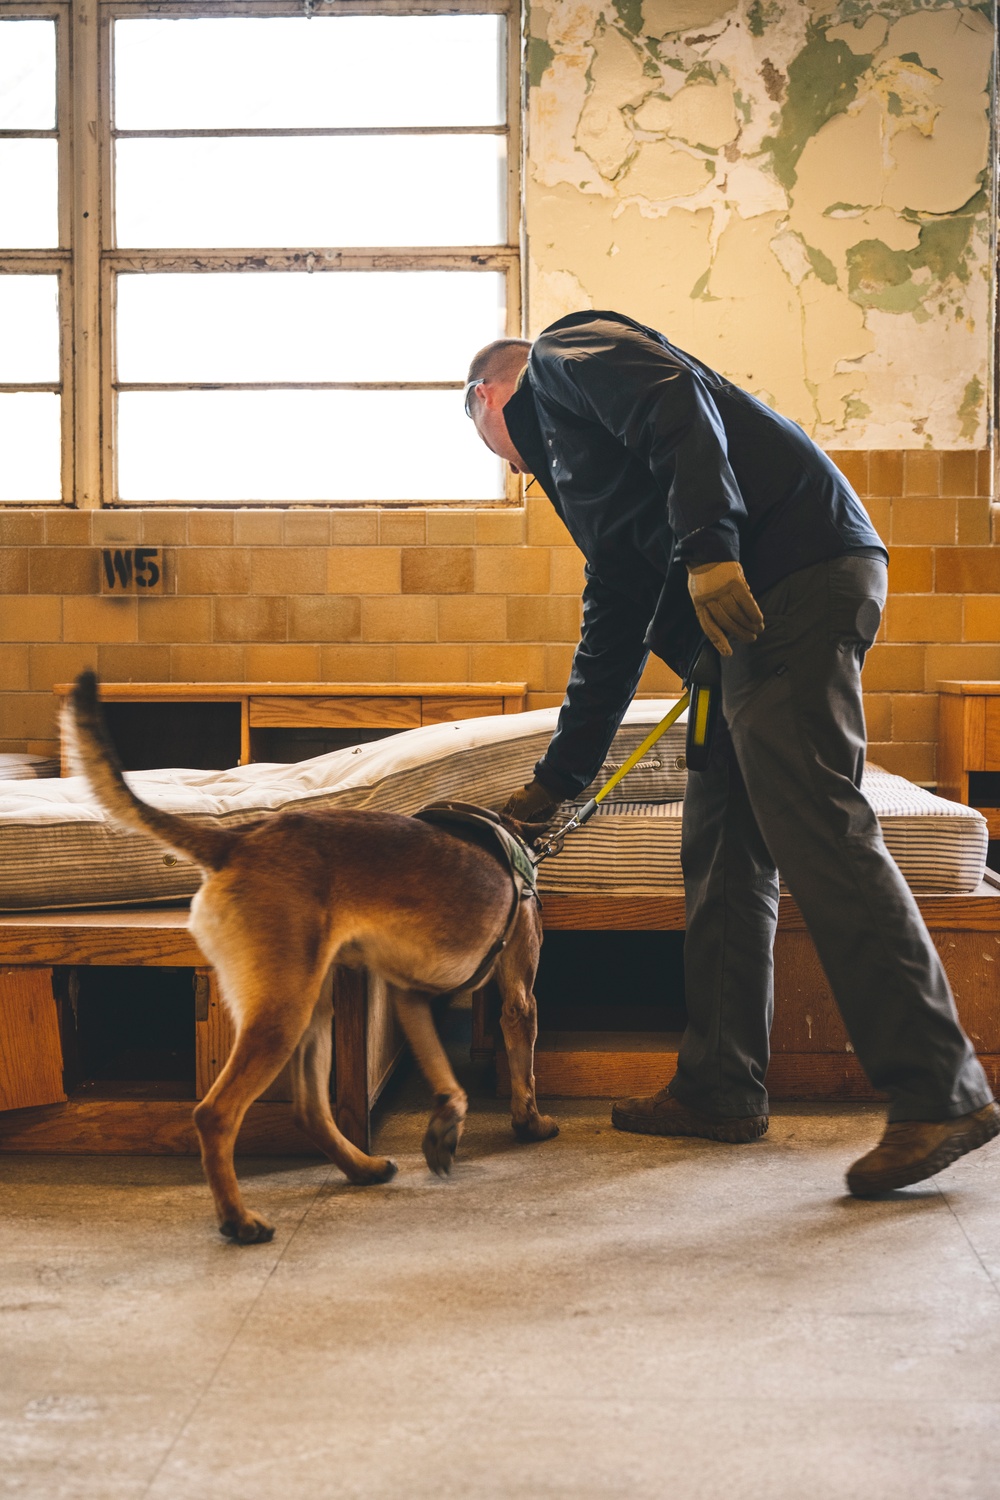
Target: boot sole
[732,1133]
[874,1185]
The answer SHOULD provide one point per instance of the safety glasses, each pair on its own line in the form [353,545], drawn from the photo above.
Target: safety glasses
[467,393]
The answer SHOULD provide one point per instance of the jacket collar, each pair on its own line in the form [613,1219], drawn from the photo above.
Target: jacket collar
[521,417]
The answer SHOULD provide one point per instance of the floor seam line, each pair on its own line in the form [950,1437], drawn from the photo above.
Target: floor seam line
[210,1381]
[986,1270]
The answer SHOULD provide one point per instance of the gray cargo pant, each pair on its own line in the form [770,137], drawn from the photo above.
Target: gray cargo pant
[781,788]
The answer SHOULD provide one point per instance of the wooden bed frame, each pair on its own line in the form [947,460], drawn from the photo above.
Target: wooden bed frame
[40,953]
[811,1058]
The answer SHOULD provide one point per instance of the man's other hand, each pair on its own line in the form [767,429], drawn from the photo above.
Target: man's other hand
[532,806]
[724,604]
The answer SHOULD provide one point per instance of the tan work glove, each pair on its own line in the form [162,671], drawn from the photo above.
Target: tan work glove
[531,806]
[724,604]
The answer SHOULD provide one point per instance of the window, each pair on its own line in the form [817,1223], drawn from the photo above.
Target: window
[293,227]
[31,374]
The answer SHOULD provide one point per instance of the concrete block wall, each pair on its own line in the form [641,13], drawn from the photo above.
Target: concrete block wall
[451,595]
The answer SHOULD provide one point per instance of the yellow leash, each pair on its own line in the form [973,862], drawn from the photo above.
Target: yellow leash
[555,843]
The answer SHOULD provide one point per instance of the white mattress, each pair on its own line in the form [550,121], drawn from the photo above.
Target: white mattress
[58,849]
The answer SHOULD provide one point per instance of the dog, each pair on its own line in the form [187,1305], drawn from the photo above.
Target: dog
[428,909]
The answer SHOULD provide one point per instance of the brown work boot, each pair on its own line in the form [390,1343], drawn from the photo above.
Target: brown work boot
[662,1114]
[911,1150]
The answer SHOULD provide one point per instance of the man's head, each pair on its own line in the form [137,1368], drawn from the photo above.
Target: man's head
[493,377]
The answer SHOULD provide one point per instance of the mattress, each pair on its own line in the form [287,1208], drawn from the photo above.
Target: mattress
[58,849]
[634,847]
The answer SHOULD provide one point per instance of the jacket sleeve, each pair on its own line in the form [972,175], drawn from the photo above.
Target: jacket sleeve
[662,411]
[606,669]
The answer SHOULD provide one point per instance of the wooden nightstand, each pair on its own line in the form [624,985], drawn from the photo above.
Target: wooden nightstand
[969,747]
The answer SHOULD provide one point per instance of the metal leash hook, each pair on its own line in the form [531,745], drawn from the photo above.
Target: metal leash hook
[554,843]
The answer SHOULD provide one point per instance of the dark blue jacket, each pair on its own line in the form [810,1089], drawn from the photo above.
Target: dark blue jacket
[655,462]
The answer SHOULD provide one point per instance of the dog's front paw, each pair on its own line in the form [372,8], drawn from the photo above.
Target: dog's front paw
[250,1230]
[535,1128]
[444,1131]
[380,1169]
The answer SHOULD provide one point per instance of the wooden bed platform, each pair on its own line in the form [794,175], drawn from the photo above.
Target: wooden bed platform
[811,1058]
[41,954]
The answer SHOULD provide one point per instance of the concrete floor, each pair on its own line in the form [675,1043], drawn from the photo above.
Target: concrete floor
[600,1316]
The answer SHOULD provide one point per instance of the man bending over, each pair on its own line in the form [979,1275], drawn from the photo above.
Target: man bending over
[702,513]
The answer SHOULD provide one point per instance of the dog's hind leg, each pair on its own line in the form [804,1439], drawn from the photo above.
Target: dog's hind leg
[515,977]
[310,1070]
[444,1129]
[266,1040]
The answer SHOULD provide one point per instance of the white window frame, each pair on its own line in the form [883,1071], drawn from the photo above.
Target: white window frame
[89,263]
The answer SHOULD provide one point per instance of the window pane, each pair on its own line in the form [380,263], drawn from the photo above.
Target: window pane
[301,445]
[29,329]
[29,446]
[29,217]
[328,71]
[27,75]
[372,190]
[338,325]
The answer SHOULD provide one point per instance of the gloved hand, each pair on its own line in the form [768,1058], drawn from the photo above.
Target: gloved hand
[532,806]
[724,604]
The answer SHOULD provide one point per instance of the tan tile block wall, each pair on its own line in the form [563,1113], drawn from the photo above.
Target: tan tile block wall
[432,663]
[250,619]
[508,570]
[134,663]
[363,570]
[437,570]
[982,617]
[175,620]
[15,676]
[26,618]
[327,617]
[351,663]
[206,663]
[454,594]
[281,663]
[450,527]
[403,618]
[288,570]
[354,528]
[476,617]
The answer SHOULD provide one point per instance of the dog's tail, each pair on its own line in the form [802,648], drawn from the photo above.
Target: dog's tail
[93,755]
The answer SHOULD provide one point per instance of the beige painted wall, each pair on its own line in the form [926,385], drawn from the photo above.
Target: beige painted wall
[797,191]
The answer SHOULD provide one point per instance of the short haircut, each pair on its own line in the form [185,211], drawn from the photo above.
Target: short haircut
[501,360]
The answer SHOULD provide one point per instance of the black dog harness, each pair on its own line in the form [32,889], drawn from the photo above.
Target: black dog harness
[454,817]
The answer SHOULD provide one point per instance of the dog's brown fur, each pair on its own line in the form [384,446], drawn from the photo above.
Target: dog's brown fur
[288,896]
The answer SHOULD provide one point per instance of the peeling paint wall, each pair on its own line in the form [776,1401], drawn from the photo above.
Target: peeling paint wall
[796,191]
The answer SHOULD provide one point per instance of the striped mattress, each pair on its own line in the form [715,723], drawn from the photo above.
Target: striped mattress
[59,850]
[634,847]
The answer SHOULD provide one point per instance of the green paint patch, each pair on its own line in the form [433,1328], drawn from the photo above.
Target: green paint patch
[843,210]
[761,14]
[822,265]
[822,82]
[702,72]
[883,278]
[855,410]
[540,58]
[894,104]
[699,292]
[968,412]
[743,104]
[630,15]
